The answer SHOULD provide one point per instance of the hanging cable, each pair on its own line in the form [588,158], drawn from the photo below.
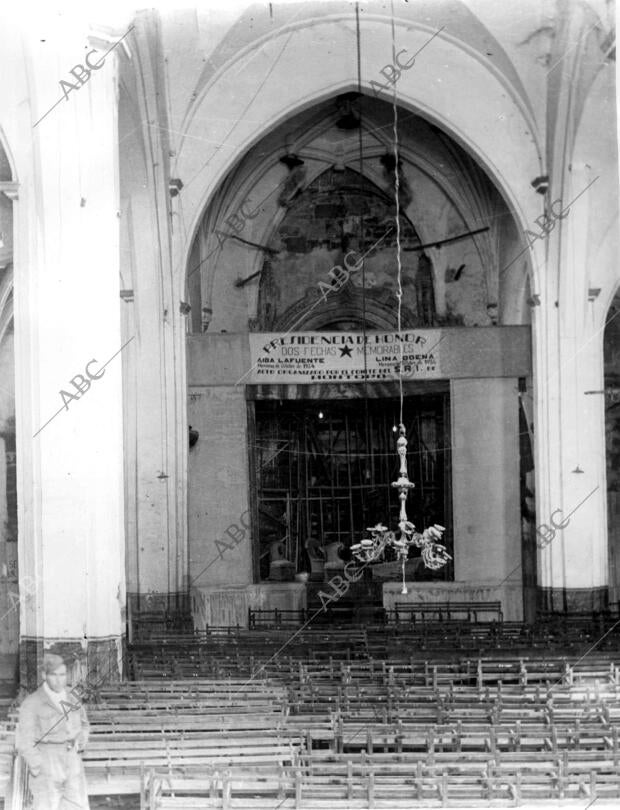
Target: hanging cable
[361,165]
[399,293]
[434,554]
[361,223]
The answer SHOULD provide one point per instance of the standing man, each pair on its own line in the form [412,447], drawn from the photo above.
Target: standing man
[51,732]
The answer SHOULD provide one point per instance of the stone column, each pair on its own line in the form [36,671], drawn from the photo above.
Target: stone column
[569,429]
[157,430]
[68,372]
[569,423]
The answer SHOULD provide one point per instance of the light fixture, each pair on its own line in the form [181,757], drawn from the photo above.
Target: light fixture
[174,186]
[321,415]
[193,436]
[541,184]
[434,554]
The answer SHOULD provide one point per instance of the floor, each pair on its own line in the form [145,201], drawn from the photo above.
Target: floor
[115,802]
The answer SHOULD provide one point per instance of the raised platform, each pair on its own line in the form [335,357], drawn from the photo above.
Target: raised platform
[509,594]
[228,606]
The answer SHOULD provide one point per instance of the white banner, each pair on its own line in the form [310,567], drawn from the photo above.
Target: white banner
[308,357]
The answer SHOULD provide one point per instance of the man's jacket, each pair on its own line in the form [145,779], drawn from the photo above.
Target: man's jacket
[41,722]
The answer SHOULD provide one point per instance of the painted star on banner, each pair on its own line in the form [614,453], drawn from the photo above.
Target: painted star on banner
[345,350]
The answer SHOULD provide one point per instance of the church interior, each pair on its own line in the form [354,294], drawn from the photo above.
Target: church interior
[310,400]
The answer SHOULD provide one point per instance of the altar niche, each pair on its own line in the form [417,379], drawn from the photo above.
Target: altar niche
[323,470]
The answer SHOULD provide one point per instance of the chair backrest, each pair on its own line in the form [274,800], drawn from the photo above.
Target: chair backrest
[17,796]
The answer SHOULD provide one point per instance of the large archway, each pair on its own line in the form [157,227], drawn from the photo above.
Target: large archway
[339,178]
[316,191]
[233,81]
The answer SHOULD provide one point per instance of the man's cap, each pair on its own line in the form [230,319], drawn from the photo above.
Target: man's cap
[51,663]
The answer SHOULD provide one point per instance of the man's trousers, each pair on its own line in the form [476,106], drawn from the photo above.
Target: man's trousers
[61,784]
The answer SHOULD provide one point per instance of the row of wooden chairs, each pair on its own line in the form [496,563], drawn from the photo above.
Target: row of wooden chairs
[421,612]
[373,785]
[356,720]
[205,661]
[250,727]
[321,706]
[185,727]
[272,626]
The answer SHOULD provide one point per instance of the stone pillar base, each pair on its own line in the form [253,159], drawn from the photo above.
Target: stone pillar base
[573,600]
[90,663]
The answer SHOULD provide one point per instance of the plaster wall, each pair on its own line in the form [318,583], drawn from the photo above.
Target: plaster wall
[219,481]
[485,454]
[485,480]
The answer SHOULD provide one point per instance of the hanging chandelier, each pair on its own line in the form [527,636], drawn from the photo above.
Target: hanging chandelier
[369,550]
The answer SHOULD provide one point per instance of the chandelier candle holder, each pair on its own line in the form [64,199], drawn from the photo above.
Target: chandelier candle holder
[434,554]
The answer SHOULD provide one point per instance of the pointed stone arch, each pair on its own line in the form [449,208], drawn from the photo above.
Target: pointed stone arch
[474,129]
